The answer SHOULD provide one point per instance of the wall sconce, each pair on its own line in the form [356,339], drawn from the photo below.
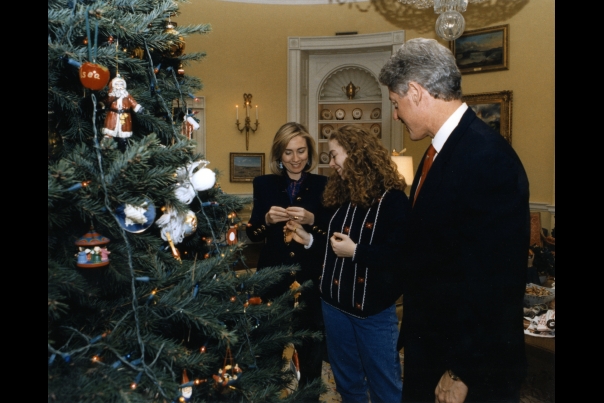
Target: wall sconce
[404,165]
[247,101]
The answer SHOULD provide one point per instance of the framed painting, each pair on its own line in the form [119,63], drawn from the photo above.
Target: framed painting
[482,50]
[495,109]
[246,166]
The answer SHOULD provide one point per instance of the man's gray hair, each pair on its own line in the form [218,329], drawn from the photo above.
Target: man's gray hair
[426,62]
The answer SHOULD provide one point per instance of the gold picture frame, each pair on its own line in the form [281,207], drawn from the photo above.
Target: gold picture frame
[246,166]
[482,50]
[495,109]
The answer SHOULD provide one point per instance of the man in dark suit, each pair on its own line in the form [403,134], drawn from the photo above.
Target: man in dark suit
[466,255]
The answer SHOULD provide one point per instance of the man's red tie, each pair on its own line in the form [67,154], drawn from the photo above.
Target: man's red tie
[427,164]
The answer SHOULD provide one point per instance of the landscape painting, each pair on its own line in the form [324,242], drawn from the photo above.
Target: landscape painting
[482,50]
[495,109]
[246,166]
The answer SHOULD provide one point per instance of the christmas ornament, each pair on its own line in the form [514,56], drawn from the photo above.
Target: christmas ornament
[118,121]
[175,47]
[136,219]
[137,53]
[227,375]
[296,362]
[55,141]
[190,223]
[175,251]
[94,76]
[177,224]
[203,179]
[231,237]
[181,70]
[185,193]
[192,178]
[92,250]
[252,301]
[189,126]
[294,286]
[187,391]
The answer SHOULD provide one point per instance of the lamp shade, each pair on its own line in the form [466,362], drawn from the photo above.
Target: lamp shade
[405,167]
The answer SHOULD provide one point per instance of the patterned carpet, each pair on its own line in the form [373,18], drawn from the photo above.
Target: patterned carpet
[529,393]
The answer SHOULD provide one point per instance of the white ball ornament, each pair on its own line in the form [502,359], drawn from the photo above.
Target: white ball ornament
[203,179]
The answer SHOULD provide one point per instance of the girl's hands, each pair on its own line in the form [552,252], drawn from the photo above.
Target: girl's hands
[342,245]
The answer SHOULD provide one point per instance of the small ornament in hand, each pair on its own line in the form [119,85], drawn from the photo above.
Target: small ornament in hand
[294,286]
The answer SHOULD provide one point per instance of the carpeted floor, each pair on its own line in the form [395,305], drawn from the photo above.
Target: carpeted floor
[529,393]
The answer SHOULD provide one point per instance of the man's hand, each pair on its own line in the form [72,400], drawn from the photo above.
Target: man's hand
[450,391]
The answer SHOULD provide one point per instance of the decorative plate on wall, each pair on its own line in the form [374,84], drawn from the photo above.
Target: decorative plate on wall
[324,158]
[376,113]
[326,114]
[340,114]
[326,130]
[376,129]
[357,113]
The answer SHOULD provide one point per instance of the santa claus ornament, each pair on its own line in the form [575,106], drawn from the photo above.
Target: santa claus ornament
[119,104]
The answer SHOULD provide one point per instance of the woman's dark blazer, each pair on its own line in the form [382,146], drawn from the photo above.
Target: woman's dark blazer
[271,190]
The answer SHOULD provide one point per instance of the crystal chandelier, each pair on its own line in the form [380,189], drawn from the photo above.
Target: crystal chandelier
[450,23]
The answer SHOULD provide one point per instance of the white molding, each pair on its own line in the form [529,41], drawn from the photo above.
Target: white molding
[536,206]
[329,54]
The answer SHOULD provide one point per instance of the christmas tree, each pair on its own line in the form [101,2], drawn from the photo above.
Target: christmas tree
[143,301]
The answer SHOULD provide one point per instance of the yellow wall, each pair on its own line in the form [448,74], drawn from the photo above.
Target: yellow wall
[247,53]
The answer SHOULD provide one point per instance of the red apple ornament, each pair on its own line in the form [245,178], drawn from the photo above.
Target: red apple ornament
[94,76]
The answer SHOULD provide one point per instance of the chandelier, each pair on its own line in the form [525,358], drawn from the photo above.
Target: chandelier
[450,23]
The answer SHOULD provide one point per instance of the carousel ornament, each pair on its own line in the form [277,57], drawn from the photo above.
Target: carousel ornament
[92,250]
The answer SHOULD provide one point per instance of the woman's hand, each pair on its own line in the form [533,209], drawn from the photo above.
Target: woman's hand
[342,245]
[276,214]
[299,233]
[300,215]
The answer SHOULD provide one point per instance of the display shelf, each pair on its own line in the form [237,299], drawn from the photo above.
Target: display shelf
[327,74]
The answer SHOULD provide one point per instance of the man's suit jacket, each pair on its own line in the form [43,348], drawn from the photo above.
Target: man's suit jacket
[465,264]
